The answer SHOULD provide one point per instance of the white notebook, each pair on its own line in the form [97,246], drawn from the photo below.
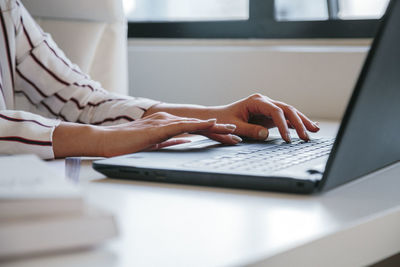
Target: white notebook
[42,212]
[29,187]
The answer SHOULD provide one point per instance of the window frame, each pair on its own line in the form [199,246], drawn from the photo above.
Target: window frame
[260,25]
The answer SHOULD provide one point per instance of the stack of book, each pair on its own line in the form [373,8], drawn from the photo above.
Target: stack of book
[42,212]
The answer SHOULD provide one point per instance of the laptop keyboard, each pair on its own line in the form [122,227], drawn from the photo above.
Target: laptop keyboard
[269,158]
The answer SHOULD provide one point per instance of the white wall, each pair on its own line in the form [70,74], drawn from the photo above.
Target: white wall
[315,76]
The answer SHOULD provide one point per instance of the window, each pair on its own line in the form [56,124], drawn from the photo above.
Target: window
[303,10]
[254,18]
[364,9]
[186,10]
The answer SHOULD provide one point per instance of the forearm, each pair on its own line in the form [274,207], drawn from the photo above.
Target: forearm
[153,132]
[182,110]
[72,139]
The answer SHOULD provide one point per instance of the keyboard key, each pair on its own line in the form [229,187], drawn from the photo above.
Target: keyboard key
[268,158]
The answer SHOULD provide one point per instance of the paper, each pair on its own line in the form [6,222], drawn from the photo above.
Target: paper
[27,176]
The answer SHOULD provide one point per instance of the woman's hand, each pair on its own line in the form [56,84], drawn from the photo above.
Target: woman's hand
[255,114]
[151,132]
[250,117]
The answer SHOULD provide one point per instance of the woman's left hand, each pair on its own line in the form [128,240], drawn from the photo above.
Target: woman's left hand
[257,113]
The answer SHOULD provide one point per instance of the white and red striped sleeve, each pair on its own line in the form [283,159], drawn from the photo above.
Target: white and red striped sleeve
[58,89]
[41,81]
[20,132]
[23,132]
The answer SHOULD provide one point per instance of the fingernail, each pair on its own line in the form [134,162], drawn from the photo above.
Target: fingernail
[316,125]
[263,134]
[230,126]
[288,138]
[236,138]
[307,136]
[212,120]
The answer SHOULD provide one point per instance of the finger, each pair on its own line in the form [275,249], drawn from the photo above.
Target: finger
[181,127]
[227,139]
[297,123]
[310,125]
[289,124]
[253,131]
[219,129]
[291,113]
[168,143]
[279,119]
[263,105]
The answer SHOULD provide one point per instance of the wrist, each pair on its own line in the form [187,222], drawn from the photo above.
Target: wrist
[153,109]
[72,139]
[96,138]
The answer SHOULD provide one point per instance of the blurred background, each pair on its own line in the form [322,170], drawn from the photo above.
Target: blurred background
[305,52]
[211,52]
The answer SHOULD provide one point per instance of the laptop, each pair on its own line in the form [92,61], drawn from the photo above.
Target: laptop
[368,140]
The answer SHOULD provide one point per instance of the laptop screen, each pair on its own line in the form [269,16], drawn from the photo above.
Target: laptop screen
[369,135]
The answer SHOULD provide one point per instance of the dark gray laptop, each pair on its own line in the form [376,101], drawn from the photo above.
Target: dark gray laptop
[368,140]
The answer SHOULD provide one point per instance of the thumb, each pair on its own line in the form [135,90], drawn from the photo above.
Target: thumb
[252,130]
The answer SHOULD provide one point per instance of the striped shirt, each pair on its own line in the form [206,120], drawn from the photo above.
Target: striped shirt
[39,87]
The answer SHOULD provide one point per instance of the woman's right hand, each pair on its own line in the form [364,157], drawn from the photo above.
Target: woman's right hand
[149,133]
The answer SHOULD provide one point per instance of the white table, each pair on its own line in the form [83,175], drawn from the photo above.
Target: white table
[179,225]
